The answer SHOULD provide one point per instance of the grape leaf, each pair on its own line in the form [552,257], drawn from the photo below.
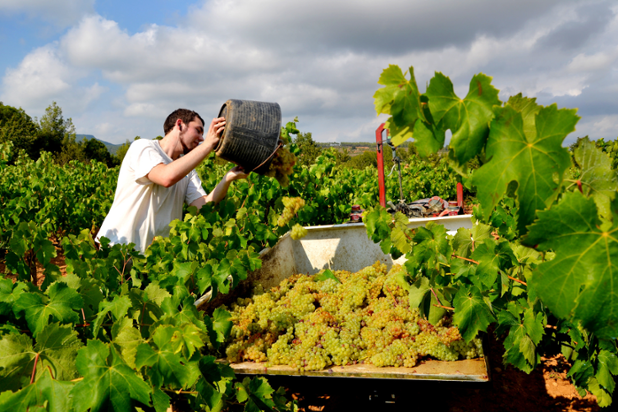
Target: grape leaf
[45,251]
[9,293]
[608,366]
[61,305]
[160,401]
[580,281]
[108,382]
[597,177]
[471,312]
[468,119]
[16,361]
[462,242]
[400,97]
[398,135]
[418,291]
[326,274]
[531,161]
[126,338]
[492,257]
[604,398]
[256,392]
[221,323]
[46,393]
[119,307]
[165,365]
[428,138]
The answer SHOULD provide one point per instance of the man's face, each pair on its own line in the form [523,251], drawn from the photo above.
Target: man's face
[192,134]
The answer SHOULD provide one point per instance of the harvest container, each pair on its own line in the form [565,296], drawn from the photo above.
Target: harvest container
[251,135]
[347,247]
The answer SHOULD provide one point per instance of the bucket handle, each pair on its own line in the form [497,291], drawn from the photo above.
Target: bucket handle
[279,145]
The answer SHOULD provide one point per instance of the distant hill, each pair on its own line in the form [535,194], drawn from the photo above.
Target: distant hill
[112,148]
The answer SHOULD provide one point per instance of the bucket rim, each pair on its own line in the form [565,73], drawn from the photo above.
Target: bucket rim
[269,158]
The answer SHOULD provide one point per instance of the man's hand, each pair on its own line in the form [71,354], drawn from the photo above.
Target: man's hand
[214,133]
[236,173]
[220,191]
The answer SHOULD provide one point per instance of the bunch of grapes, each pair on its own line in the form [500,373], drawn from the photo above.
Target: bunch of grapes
[282,166]
[291,206]
[365,317]
[298,232]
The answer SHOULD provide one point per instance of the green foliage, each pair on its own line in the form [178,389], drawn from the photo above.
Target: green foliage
[19,129]
[120,330]
[543,248]
[309,150]
[95,150]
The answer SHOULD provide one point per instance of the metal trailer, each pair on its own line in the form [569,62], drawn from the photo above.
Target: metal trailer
[347,247]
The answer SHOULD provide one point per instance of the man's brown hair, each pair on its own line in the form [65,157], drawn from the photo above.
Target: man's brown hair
[186,115]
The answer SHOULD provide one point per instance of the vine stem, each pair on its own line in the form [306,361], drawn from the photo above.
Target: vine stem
[466,259]
[444,307]
[36,360]
[517,280]
[85,324]
[474,261]
[439,305]
[243,202]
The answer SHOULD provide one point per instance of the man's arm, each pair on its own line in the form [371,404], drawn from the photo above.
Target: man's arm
[220,191]
[169,174]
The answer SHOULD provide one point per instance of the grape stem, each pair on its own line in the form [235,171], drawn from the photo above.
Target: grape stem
[444,307]
[517,280]
[243,202]
[36,360]
[439,305]
[475,262]
[466,259]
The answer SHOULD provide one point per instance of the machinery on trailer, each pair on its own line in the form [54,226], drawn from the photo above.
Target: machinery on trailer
[430,207]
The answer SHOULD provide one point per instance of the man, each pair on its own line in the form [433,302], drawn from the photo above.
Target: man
[155,180]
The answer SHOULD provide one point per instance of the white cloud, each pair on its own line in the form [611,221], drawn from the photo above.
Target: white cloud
[44,76]
[319,60]
[586,63]
[60,12]
[41,77]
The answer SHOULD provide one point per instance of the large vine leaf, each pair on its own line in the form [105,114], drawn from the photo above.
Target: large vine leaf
[492,257]
[16,361]
[126,338]
[468,119]
[166,365]
[472,314]
[597,177]
[45,394]
[60,305]
[529,159]
[581,280]
[400,97]
[108,382]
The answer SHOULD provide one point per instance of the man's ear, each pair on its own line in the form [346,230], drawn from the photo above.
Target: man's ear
[179,124]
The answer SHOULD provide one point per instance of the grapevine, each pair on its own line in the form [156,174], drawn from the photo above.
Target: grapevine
[291,206]
[542,254]
[282,166]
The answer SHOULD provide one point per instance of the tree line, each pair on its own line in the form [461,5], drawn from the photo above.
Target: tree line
[55,134]
[52,133]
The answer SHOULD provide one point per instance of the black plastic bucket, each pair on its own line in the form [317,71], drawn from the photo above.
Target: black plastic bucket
[251,135]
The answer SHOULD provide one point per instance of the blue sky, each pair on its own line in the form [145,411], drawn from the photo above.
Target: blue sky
[117,68]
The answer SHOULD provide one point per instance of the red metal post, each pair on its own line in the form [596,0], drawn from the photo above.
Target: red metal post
[460,195]
[381,184]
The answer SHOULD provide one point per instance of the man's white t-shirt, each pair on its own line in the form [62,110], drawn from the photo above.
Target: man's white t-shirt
[143,209]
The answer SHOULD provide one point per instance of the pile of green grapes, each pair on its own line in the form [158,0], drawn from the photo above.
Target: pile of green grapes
[312,322]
